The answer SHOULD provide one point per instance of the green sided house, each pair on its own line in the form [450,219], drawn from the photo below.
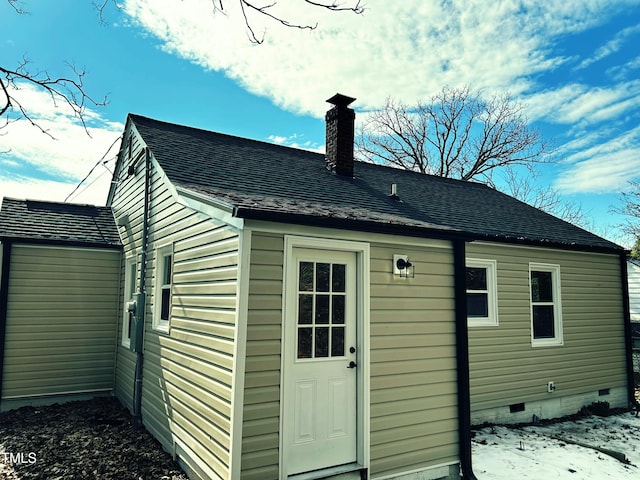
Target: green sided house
[286,315]
[59,291]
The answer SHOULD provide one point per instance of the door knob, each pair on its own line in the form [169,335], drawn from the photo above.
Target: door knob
[352,364]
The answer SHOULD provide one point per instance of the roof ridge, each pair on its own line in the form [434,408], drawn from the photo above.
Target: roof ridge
[133,117]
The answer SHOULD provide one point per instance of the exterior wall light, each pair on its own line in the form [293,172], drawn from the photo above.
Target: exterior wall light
[403,267]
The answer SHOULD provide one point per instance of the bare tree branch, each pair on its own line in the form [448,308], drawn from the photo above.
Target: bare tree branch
[267,9]
[528,190]
[101,7]
[69,91]
[16,6]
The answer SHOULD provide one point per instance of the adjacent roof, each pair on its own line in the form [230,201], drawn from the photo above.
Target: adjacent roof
[57,222]
[262,180]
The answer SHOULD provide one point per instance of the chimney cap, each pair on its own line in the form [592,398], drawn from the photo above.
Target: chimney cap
[340,100]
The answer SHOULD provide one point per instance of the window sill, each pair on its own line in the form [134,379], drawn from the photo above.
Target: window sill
[162,328]
[481,323]
[547,343]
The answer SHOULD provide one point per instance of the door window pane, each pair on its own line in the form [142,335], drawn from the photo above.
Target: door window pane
[338,277]
[337,342]
[305,309]
[322,277]
[321,309]
[305,342]
[306,277]
[322,342]
[337,309]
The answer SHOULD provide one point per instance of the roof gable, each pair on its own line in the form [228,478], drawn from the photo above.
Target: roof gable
[58,222]
[262,180]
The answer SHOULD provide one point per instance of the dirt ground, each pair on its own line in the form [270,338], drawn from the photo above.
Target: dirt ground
[80,440]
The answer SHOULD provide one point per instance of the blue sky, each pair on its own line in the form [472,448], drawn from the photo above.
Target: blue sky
[574,64]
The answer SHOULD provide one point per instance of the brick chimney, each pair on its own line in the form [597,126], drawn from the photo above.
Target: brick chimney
[340,135]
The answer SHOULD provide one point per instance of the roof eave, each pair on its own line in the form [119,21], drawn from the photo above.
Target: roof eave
[412,230]
[59,242]
[533,242]
[352,224]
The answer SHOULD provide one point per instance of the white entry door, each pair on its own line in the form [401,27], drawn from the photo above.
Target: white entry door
[320,371]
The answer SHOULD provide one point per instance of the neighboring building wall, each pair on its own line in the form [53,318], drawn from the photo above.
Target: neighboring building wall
[187,379]
[633,269]
[414,422]
[60,322]
[504,367]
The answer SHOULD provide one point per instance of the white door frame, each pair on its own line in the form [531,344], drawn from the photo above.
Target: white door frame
[362,251]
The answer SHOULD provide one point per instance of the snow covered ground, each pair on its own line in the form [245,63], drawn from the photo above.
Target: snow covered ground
[546,453]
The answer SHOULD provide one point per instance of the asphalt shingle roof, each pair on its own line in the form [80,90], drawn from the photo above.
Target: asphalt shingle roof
[57,222]
[263,178]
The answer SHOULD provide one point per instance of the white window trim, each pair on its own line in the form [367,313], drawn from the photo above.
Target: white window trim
[158,323]
[491,320]
[558,340]
[129,282]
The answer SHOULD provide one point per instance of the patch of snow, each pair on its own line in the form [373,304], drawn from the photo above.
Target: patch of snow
[548,452]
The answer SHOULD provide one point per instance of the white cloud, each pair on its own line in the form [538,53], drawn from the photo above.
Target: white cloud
[59,162]
[408,49]
[610,47]
[55,191]
[296,141]
[602,167]
[583,105]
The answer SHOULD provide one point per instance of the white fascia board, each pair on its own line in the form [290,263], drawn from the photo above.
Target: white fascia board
[211,207]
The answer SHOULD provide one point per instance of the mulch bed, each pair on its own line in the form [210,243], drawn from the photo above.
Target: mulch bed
[81,440]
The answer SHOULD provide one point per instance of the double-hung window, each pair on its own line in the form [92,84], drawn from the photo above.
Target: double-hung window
[481,293]
[546,308]
[130,278]
[162,300]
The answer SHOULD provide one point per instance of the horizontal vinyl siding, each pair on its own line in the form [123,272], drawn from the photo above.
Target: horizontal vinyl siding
[504,367]
[188,372]
[261,416]
[187,379]
[61,321]
[413,408]
[414,418]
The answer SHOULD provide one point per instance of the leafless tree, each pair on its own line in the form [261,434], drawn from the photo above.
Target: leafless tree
[457,134]
[631,209]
